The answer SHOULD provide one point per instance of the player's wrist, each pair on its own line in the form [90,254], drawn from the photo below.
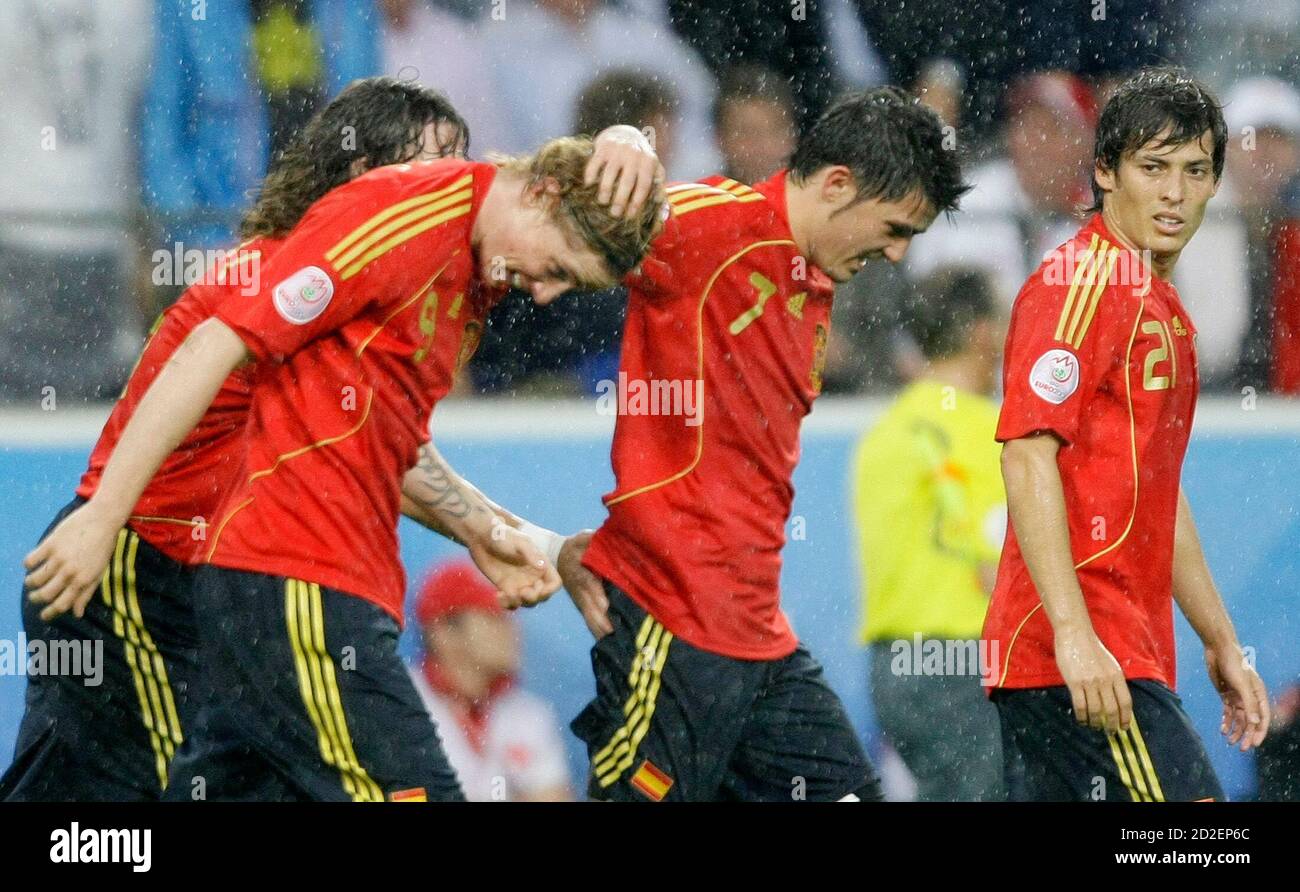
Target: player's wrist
[548,542]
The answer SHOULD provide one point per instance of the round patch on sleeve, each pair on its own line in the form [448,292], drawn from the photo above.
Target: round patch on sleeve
[303,296]
[1055,376]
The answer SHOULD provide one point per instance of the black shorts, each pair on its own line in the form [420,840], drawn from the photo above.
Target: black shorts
[107,729]
[673,722]
[302,696]
[1158,758]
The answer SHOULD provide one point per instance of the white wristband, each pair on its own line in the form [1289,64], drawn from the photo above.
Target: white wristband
[548,543]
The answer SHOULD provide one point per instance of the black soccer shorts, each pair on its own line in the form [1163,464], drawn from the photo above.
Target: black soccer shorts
[107,701]
[303,697]
[673,722]
[1158,758]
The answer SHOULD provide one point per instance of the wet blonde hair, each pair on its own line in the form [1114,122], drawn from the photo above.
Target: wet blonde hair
[620,243]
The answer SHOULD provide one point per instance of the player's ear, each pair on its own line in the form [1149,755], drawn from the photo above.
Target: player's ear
[838,186]
[358,166]
[541,190]
[1105,177]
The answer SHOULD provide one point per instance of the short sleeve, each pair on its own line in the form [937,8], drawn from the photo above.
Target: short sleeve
[354,250]
[1060,345]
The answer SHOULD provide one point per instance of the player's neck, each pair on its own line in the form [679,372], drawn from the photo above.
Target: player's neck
[494,214]
[1162,265]
[800,210]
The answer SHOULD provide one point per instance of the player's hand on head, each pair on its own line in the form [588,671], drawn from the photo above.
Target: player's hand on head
[1246,710]
[627,168]
[1098,689]
[66,568]
[583,586]
[515,566]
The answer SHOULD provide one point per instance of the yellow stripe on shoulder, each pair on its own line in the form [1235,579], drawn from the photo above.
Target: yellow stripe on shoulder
[424,224]
[392,211]
[1104,280]
[705,202]
[741,191]
[1081,266]
[687,191]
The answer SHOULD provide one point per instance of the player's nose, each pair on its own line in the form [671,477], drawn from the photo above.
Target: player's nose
[897,249]
[545,292]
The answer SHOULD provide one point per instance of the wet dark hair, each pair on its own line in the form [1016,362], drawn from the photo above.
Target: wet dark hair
[1147,104]
[890,141]
[379,119]
[943,306]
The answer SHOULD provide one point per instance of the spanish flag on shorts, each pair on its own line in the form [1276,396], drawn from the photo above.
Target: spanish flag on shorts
[651,782]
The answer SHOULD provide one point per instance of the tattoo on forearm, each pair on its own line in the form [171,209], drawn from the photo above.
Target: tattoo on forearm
[439,490]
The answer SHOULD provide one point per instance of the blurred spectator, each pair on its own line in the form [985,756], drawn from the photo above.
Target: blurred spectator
[931,516]
[625,96]
[940,85]
[544,52]
[867,349]
[448,52]
[995,41]
[1024,203]
[503,742]
[754,122]
[289,66]
[1244,293]
[73,72]
[761,32]
[1263,117]
[853,54]
[1278,759]
[205,123]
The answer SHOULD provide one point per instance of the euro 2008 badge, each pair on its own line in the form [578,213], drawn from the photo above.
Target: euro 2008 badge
[1055,376]
[304,295]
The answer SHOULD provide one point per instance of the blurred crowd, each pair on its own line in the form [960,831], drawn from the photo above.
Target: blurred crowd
[133,133]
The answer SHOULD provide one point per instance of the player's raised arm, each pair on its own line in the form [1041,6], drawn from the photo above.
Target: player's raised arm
[627,167]
[1246,713]
[67,566]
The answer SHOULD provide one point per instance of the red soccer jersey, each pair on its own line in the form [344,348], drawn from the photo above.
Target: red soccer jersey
[722,357]
[1102,354]
[365,314]
[181,501]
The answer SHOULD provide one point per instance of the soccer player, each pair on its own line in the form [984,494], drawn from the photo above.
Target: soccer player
[114,756]
[1100,385]
[114,741]
[702,688]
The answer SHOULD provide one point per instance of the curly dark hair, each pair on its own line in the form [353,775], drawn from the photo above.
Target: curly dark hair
[1166,100]
[379,120]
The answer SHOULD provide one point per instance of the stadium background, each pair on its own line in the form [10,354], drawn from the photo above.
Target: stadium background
[188,111]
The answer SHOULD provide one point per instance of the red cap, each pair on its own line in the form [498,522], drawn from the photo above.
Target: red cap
[453,586]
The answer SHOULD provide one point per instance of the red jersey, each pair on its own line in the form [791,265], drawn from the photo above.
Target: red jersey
[1102,354]
[181,501]
[722,357]
[365,314]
